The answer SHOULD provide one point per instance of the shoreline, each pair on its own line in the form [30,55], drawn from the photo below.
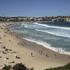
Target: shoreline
[46,45]
[35,55]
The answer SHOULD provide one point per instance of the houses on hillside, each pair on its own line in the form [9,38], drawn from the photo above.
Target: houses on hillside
[47,19]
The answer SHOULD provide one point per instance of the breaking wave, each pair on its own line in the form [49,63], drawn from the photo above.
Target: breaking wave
[46,45]
[46,25]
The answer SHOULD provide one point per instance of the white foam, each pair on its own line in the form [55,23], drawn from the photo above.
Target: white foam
[46,45]
[55,33]
[19,31]
[67,28]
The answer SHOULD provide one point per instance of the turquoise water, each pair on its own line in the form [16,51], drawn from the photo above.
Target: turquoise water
[56,37]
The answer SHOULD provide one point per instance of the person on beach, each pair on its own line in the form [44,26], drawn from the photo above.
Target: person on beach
[32,54]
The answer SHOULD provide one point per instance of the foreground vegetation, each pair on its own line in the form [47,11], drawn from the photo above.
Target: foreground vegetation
[18,66]
[21,66]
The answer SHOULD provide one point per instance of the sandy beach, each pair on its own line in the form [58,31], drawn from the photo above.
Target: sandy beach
[13,50]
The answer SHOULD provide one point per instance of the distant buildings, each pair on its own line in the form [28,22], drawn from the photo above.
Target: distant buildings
[68,19]
[47,19]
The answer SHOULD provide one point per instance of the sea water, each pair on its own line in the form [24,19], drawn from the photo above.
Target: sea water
[56,38]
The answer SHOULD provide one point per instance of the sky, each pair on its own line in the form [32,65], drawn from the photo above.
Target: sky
[34,7]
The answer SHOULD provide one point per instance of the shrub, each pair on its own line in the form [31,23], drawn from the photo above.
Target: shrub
[32,69]
[19,66]
[6,67]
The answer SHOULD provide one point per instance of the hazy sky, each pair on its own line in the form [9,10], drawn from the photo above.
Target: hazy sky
[34,7]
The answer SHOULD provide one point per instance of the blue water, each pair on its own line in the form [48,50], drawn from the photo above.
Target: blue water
[56,36]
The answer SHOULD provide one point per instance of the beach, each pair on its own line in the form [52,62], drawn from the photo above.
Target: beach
[14,50]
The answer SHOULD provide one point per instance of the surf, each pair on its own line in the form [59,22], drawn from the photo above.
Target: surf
[46,25]
[48,37]
[54,33]
[46,45]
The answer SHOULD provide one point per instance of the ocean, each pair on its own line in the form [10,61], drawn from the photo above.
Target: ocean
[56,38]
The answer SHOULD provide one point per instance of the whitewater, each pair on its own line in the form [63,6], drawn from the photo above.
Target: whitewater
[56,38]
